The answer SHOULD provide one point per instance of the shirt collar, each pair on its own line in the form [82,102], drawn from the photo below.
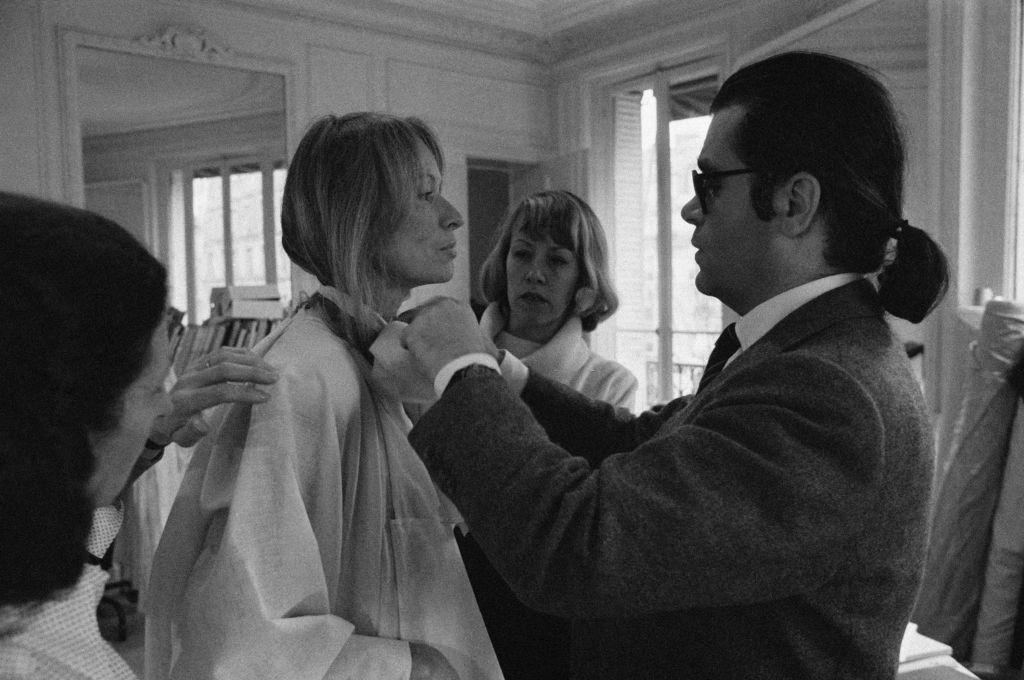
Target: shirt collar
[753,325]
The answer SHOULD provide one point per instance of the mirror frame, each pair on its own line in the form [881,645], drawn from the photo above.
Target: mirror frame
[172,42]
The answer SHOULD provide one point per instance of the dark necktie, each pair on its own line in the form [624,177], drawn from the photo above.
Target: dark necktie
[725,347]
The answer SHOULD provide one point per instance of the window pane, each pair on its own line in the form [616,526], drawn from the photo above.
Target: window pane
[176,258]
[209,238]
[284,276]
[696,318]
[690,352]
[247,226]
[638,351]
[648,262]
[636,239]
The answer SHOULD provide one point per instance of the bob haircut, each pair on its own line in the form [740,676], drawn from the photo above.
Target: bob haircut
[80,300]
[570,223]
[349,188]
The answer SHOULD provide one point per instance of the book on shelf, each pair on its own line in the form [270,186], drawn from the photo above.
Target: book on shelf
[217,339]
[232,335]
[183,349]
[252,309]
[247,301]
[219,331]
[263,291]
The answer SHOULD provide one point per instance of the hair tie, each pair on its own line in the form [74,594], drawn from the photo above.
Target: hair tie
[897,228]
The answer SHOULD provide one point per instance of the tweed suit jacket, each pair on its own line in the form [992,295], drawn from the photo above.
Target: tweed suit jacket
[772,526]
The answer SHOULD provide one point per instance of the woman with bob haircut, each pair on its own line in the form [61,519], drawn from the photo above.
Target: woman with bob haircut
[308,540]
[547,284]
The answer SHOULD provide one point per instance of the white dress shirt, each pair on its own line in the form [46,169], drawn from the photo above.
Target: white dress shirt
[753,325]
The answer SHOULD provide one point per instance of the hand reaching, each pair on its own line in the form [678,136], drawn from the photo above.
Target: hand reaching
[228,374]
[443,329]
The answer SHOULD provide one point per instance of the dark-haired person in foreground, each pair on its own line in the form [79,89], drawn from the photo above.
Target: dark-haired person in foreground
[83,360]
[773,524]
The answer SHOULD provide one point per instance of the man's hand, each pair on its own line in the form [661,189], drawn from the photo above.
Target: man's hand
[440,330]
[228,374]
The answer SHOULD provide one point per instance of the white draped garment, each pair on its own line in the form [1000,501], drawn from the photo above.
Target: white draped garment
[307,540]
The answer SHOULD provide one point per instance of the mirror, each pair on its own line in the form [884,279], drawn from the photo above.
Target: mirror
[183,143]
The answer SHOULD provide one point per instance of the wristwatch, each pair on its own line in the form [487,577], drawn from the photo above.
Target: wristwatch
[469,371]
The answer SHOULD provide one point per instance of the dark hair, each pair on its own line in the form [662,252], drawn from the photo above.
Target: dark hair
[348,190]
[79,302]
[833,118]
[570,223]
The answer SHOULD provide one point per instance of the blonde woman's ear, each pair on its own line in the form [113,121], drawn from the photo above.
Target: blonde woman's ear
[585,299]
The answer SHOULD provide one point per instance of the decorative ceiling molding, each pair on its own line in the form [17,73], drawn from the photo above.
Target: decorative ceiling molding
[542,31]
[392,18]
[192,43]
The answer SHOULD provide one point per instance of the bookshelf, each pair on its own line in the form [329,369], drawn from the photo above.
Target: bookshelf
[189,342]
[242,316]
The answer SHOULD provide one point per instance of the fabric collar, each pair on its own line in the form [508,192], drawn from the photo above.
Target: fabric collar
[563,354]
[752,326]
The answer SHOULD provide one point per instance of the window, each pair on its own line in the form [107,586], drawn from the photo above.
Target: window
[665,329]
[1015,234]
[225,230]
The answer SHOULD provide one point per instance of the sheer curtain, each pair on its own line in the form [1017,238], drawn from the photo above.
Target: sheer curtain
[971,590]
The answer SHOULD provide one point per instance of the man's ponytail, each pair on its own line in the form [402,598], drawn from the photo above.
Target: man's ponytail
[914,283]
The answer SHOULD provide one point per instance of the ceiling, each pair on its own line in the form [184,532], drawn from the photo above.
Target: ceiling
[541,19]
[122,93]
[542,30]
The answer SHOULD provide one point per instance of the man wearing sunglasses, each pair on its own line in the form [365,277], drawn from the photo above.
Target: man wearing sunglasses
[773,524]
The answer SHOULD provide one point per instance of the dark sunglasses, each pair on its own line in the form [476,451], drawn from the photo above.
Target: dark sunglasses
[702,179]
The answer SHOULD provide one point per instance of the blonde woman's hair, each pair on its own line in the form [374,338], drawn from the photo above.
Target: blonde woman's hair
[570,223]
[348,189]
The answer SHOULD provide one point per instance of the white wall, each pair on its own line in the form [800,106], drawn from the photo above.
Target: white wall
[334,67]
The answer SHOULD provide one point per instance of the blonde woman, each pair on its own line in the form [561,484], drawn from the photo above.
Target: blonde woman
[308,540]
[547,285]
